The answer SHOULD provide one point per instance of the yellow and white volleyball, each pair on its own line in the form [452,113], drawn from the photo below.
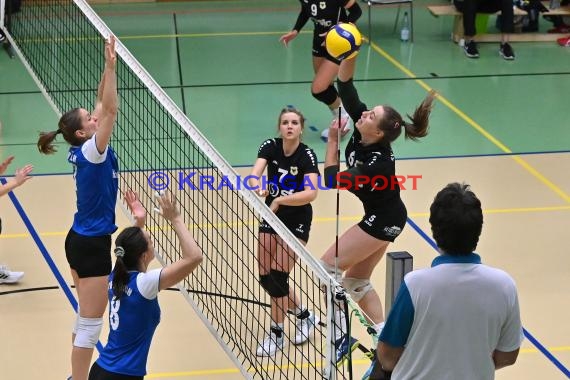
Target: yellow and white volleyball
[343,41]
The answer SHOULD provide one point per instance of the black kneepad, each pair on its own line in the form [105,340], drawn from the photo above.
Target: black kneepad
[264,280]
[327,96]
[279,284]
[276,283]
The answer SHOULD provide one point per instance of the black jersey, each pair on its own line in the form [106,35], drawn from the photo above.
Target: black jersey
[375,160]
[287,175]
[325,13]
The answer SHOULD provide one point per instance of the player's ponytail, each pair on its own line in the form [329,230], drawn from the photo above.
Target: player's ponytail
[420,120]
[130,246]
[69,123]
[392,122]
[45,145]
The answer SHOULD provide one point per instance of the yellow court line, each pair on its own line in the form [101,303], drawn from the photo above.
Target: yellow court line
[525,209]
[222,371]
[426,214]
[165,36]
[551,349]
[329,219]
[476,126]
[194,35]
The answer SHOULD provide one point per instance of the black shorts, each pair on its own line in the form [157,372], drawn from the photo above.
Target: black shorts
[385,223]
[319,49]
[298,223]
[98,373]
[89,256]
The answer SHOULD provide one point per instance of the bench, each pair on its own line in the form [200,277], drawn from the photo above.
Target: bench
[457,33]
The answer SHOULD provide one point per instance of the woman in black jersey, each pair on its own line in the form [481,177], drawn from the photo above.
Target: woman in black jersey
[292,175]
[324,14]
[371,177]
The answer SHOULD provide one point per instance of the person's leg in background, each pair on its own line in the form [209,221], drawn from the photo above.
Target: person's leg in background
[6,275]
[507,28]
[469,10]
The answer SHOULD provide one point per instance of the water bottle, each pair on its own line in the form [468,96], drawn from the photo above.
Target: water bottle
[405,32]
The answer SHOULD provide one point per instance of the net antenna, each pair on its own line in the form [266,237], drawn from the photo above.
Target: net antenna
[61,44]
[340,294]
[339,136]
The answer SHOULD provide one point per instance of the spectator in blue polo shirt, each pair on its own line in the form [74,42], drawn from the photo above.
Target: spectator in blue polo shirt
[459,319]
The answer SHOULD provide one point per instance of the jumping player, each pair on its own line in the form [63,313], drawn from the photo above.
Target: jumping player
[324,14]
[88,242]
[368,154]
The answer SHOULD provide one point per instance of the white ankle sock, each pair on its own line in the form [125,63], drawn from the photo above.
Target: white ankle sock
[379,327]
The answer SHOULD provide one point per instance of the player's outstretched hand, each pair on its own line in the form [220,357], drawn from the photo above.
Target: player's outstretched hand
[167,204]
[135,206]
[23,174]
[334,128]
[4,165]
[110,54]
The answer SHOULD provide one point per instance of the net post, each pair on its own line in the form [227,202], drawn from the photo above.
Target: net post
[398,264]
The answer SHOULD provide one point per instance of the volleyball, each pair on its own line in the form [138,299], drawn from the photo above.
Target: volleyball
[343,41]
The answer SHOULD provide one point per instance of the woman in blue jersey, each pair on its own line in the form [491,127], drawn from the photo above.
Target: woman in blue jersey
[88,243]
[134,312]
[292,170]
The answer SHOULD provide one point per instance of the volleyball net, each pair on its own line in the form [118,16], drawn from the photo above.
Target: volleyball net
[61,44]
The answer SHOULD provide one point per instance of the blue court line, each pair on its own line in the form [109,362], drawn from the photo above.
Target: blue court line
[322,162]
[500,154]
[45,253]
[547,353]
[527,335]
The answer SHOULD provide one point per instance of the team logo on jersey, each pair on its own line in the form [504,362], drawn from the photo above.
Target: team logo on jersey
[392,231]
[351,158]
[323,4]
[294,170]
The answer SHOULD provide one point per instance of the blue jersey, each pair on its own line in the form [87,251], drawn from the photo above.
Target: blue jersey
[132,321]
[97,183]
